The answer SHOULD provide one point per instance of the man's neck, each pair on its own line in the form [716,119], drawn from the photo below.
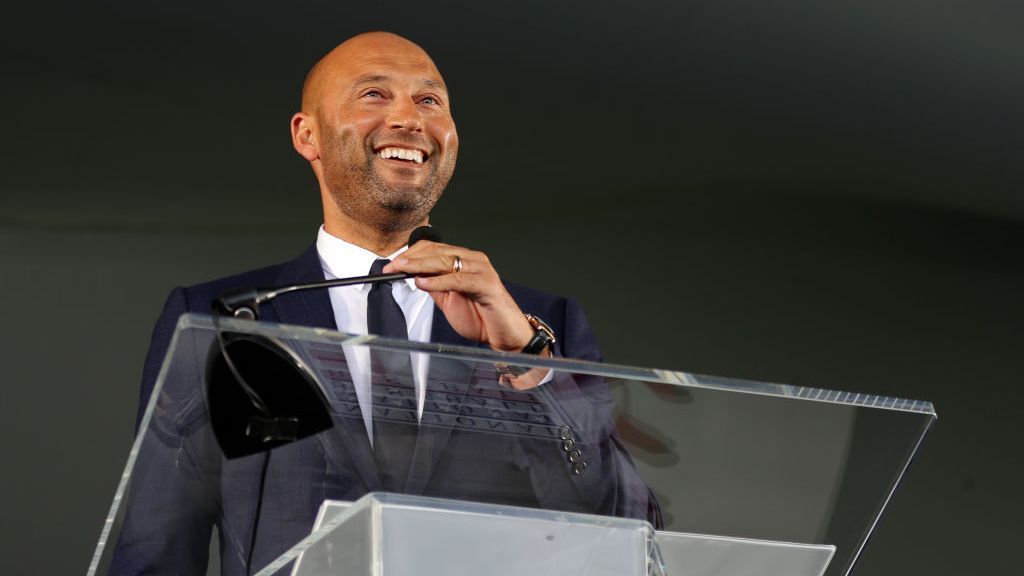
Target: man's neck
[377,241]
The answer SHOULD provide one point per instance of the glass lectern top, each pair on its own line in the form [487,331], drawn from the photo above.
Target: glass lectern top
[251,426]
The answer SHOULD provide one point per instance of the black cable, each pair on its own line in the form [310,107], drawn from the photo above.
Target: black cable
[254,398]
[256,517]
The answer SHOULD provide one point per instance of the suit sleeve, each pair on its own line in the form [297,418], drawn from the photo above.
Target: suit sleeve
[160,341]
[601,477]
[171,503]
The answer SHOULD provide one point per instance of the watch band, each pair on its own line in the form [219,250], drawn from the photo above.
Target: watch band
[543,336]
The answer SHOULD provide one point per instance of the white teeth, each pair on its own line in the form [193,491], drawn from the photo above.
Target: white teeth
[401,153]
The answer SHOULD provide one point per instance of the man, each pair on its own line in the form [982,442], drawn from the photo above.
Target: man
[377,130]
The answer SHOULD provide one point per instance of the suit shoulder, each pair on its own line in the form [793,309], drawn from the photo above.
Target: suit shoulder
[200,296]
[266,274]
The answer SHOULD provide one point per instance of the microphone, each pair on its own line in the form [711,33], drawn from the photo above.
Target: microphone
[245,302]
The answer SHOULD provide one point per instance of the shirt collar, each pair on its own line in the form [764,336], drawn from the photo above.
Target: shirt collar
[341,259]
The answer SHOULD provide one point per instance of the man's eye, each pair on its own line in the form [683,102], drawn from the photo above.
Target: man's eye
[374,94]
[429,100]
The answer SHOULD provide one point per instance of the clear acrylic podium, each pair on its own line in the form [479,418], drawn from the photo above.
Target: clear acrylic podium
[392,535]
[475,460]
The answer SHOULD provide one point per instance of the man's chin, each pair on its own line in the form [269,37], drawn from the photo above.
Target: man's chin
[395,221]
[405,208]
[401,194]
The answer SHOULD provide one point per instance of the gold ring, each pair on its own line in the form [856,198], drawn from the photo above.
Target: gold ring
[457,265]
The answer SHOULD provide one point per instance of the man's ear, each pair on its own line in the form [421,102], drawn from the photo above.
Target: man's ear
[304,136]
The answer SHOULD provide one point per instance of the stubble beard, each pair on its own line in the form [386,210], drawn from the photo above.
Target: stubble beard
[361,194]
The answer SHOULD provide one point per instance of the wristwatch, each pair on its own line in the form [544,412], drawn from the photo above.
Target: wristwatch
[543,336]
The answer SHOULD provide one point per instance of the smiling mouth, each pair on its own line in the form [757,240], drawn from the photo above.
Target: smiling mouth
[409,155]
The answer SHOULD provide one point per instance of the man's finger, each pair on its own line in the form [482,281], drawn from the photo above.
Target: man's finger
[470,285]
[450,261]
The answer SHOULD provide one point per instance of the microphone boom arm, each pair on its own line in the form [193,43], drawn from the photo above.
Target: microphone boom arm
[245,302]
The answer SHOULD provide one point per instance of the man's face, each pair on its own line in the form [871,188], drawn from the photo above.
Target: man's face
[388,143]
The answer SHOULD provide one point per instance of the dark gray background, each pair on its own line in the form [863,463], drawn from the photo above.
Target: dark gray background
[818,193]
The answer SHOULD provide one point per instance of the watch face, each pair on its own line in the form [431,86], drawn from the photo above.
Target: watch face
[542,326]
[543,336]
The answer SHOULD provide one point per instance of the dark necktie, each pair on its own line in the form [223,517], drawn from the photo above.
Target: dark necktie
[394,413]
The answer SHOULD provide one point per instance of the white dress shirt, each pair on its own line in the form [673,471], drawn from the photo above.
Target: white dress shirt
[341,259]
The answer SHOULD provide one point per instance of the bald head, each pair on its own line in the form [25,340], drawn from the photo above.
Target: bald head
[354,52]
[377,129]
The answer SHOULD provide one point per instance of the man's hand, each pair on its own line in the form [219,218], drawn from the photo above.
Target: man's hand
[473,299]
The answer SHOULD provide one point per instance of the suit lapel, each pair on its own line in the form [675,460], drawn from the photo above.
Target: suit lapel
[313,308]
[309,308]
[449,379]
[450,376]
[350,434]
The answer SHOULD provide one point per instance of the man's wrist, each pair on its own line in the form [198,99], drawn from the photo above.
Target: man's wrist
[543,336]
[519,337]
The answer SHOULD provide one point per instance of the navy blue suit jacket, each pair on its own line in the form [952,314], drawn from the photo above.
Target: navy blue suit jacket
[182,487]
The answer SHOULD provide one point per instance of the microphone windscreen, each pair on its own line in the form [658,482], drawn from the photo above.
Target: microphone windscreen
[424,233]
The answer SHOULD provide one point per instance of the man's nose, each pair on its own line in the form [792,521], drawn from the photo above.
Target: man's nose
[403,114]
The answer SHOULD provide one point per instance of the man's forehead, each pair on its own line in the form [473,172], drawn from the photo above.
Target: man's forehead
[382,67]
[376,78]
